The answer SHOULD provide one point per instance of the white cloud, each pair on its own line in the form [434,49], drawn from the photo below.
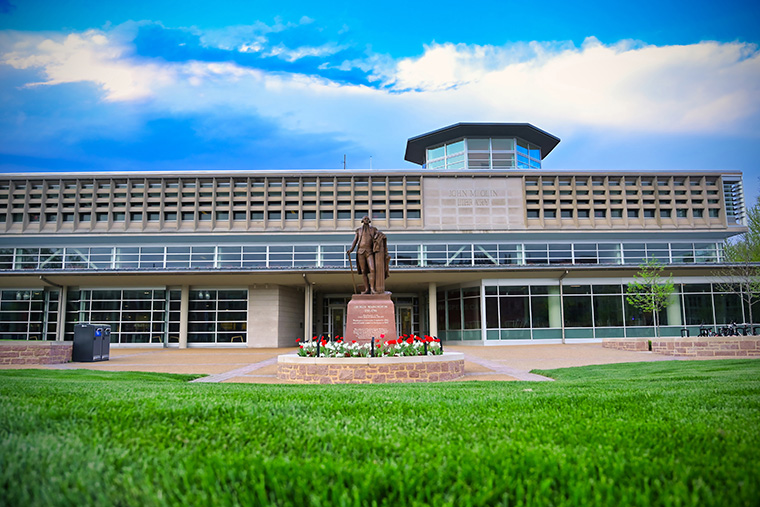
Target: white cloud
[699,87]
[89,57]
[291,55]
[705,87]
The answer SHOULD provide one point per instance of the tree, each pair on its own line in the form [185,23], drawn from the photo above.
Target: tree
[740,273]
[648,291]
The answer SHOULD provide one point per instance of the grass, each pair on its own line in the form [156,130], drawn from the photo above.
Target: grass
[665,433]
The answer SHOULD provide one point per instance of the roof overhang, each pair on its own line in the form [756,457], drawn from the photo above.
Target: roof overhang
[416,146]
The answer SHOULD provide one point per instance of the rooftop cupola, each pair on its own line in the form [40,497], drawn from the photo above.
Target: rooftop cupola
[481,146]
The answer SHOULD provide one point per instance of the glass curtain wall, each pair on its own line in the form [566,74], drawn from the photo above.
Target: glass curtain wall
[153,315]
[459,314]
[333,256]
[484,153]
[590,311]
[135,315]
[218,316]
[28,314]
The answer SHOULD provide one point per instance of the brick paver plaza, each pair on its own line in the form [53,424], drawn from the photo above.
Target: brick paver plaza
[243,365]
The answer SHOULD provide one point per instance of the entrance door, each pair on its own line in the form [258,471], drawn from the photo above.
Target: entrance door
[405,319]
[337,322]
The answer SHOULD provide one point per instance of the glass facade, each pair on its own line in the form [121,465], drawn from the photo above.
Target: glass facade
[145,316]
[590,311]
[459,316]
[135,315]
[28,314]
[484,153]
[333,256]
[218,316]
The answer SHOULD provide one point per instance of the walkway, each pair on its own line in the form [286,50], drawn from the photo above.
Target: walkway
[243,365]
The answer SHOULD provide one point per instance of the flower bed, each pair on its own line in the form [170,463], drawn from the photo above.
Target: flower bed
[406,345]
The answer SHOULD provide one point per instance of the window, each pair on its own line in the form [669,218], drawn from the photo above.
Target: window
[566,213]
[633,213]
[648,213]
[698,213]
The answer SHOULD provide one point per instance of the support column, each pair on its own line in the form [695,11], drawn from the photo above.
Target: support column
[184,311]
[61,321]
[308,313]
[432,309]
[674,310]
[555,312]
[562,303]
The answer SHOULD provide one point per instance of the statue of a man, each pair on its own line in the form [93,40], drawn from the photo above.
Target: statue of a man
[372,257]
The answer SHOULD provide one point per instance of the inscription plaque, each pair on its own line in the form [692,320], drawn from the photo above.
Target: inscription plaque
[370,315]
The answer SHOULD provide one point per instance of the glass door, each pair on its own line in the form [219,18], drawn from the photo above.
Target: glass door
[404,319]
[337,321]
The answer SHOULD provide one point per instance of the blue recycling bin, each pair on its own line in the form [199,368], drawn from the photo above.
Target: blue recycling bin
[92,342]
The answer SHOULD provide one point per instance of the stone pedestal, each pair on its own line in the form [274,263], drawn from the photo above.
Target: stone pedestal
[370,315]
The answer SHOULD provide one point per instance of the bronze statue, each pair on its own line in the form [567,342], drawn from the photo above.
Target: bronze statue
[372,258]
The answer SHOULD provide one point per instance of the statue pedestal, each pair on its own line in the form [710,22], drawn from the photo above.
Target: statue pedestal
[370,315]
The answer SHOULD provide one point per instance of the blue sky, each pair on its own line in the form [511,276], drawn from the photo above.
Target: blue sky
[88,85]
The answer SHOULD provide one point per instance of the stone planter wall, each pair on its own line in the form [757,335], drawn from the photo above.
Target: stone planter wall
[369,370]
[29,352]
[709,346]
[712,346]
[632,344]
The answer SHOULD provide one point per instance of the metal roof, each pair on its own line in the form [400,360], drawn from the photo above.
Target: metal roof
[416,146]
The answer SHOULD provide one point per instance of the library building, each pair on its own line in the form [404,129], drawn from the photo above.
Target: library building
[486,248]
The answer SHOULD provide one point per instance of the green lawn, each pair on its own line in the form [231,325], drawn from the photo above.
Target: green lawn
[665,433]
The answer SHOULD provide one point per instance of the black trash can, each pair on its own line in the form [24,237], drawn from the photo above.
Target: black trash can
[92,342]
